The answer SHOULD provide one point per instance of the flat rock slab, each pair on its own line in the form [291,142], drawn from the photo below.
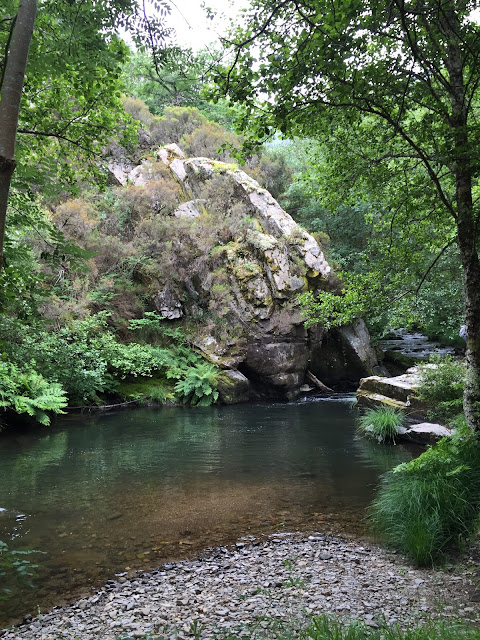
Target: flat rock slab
[399,391]
[425,433]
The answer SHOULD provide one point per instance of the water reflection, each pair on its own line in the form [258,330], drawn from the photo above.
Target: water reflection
[104,493]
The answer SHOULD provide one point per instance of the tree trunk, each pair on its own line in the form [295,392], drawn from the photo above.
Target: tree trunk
[11,95]
[471,267]
[466,219]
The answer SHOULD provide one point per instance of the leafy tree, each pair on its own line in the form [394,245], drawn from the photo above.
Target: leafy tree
[176,82]
[368,216]
[412,70]
[71,97]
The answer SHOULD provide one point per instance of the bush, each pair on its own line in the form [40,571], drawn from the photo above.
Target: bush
[198,385]
[430,505]
[441,387]
[175,123]
[206,141]
[382,423]
[85,358]
[25,391]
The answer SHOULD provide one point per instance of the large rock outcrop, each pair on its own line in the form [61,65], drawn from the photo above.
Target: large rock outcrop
[243,290]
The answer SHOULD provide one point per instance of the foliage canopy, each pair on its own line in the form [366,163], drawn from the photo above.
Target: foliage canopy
[407,72]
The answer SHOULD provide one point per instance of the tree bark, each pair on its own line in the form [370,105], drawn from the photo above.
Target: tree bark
[466,220]
[11,95]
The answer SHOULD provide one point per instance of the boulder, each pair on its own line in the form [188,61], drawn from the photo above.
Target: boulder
[167,304]
[242,293]
[425,433]
[340,356]
[399,392]
[233,387]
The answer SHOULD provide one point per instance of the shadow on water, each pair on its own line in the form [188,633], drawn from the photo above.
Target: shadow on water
[106,493]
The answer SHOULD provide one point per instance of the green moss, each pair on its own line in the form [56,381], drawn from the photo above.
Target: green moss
[246,270]
[222,167]
[147,390]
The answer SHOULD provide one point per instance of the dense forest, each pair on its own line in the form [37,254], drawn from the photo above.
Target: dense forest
[135,268]
[78,324]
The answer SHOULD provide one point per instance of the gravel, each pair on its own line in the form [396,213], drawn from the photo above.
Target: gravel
[287,578]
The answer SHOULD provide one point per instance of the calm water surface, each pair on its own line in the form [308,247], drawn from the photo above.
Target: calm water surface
[103,494]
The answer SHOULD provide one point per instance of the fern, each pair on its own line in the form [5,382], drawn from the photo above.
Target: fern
[28,392]
[199,385]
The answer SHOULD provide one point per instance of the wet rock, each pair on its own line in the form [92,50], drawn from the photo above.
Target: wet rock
[341,356]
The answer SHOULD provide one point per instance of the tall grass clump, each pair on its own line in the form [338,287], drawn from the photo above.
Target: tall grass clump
[329,628]
[381,423]
[431,505]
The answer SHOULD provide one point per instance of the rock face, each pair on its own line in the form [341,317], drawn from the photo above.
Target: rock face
[243,290]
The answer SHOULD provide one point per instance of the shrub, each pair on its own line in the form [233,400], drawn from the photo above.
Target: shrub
[138,110]
[175,123]
[198,385]
[25,391]
[431,504]
[441,387]
[382,423]
[86,358]
[207,139]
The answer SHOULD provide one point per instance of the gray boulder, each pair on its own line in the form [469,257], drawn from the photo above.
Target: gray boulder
[243,292]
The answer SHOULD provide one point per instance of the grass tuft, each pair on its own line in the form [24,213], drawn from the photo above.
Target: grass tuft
[382,423]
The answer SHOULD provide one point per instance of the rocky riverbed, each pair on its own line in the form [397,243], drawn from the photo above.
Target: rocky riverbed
[286,578]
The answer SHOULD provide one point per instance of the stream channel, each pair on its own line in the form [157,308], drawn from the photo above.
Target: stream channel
[104,494]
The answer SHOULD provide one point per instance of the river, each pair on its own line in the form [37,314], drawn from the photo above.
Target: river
[115,492]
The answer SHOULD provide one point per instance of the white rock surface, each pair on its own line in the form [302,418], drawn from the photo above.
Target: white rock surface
[426,433]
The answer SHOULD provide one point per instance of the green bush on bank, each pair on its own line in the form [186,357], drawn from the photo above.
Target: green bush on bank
[86,358]
[441,387]
[27,392]
[431,504]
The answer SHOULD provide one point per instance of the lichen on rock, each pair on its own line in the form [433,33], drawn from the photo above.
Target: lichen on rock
[237,263]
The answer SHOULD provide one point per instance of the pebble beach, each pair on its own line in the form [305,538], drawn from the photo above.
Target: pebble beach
[254,584]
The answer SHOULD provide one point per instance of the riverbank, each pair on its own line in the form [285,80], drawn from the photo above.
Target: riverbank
[287,578]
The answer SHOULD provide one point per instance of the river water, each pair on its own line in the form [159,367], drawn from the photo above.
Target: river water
[117,492]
